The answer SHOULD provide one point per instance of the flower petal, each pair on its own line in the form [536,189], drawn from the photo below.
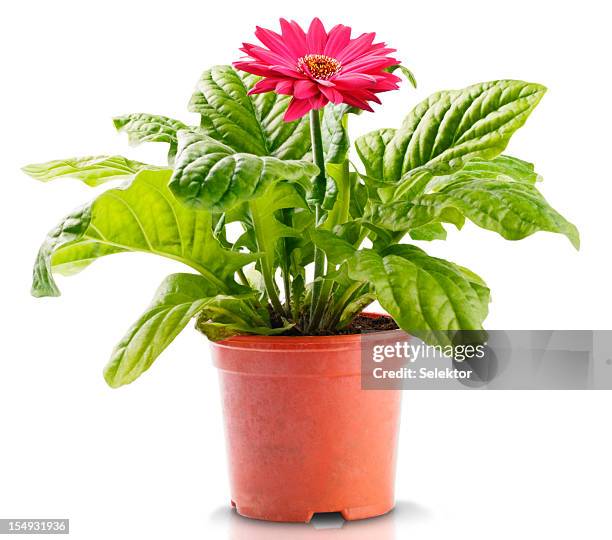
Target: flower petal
[297,108]
[284,87]
[366,95]
[265,85]
[288,72]
[350,99]
[316,38]
[380,48]
[305,89]
[354,80]
[390,82]
[318,102]
[356,47]
[369,63]
[255,68]
[274,42]
[294,37]
[338,38]
[332,94]
[269,57]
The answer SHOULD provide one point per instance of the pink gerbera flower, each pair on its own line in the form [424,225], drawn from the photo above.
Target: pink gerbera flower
[317,67]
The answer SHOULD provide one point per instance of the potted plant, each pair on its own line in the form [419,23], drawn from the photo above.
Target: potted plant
[270,153]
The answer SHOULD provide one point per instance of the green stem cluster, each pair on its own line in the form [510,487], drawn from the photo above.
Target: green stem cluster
[266,246]
[324,311]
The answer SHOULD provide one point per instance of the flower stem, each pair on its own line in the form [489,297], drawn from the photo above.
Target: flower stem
[319,189]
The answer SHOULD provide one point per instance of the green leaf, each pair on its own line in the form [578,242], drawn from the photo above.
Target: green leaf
[211,176]
[380,237]
[405,72]
[371,148]
[69,230]
[250,124]
[497,195]
[266,229]
[354,308]
[336,248]
[334,132]
[358,199]
[502,167]
[142,216]
[449,128]
[226,316]
[403,216]
[343,182]
[478,284]
[426,296]
[348,298]
[298,295]
[143,127]
[431,231]
[512,209]
[329,198]
[91,170]
[179,298]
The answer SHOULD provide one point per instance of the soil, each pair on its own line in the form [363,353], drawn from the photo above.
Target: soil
[364,325]
[360,325]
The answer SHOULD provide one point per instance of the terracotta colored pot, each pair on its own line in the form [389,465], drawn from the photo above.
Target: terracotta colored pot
[302,436]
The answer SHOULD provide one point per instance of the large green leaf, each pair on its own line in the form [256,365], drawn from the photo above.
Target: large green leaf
[91,170]
[179,298]
[211,176]
[142,216]
[498,195]
[250,124]
[144,127]
[502,167]
[512,209]
[426,296]
[449,128]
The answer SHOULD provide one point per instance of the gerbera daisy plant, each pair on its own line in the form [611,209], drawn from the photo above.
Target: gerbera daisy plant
[320,236]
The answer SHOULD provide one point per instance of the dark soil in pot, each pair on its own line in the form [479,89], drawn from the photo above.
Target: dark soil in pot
[362,324]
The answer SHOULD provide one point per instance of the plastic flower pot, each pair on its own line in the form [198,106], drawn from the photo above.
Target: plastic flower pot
[302,435]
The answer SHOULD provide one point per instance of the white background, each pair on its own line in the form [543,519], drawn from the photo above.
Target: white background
[148,460]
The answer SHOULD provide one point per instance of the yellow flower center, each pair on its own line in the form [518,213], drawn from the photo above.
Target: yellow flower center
[320,66]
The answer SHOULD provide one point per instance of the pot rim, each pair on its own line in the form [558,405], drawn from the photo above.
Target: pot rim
[340,342]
